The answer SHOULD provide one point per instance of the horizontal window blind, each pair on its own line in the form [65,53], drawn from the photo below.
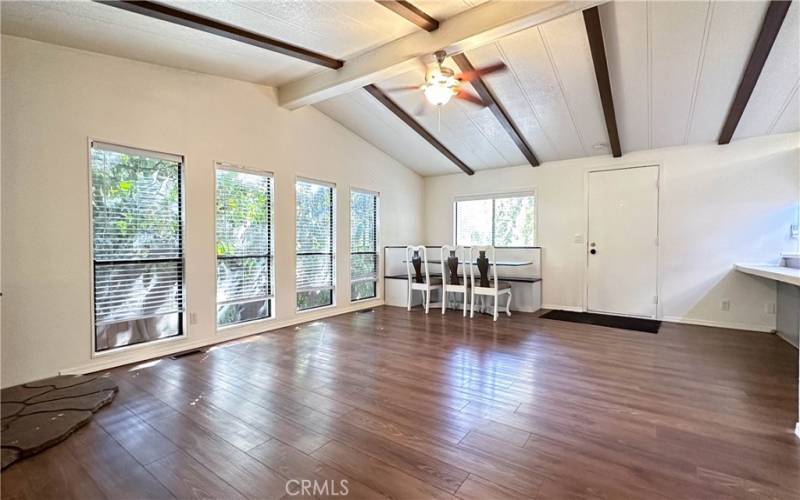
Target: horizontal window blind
[363,245]
[244,245]
[125,291]
[315,243]
[137,233]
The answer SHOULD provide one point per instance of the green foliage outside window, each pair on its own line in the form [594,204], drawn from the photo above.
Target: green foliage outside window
[502,222]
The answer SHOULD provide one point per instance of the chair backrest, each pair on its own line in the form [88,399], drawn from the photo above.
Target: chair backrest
[420,252]
[460,253]
[491,271]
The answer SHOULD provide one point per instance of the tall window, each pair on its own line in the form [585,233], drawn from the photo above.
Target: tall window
[502,221]
[316,259]
[244,245]
[137,245]
[363,245]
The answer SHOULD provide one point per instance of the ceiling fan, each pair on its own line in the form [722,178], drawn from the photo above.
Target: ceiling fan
[442,83]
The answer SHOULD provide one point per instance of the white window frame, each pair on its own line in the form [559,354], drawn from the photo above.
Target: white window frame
[378,260]
[114,146]
[272,298]
[334,244]
[495,196]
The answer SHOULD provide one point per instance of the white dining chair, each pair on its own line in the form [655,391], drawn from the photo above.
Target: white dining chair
[421,281]
[494,287]
[456,284]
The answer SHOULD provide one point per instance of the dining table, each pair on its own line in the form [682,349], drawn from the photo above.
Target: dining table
[483,307]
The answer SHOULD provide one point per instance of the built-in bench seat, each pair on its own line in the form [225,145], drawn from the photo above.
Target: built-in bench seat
[520,266]
[517,279]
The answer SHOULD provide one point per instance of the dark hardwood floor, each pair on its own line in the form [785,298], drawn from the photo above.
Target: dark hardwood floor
[408,406]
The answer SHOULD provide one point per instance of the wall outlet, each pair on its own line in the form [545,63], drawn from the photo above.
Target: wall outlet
[192,318]
[794,230]
[770,308]
[578,239]
[725,305]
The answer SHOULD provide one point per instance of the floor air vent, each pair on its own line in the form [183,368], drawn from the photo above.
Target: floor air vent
[186,353]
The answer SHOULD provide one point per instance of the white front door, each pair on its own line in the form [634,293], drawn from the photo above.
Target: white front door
[622,250]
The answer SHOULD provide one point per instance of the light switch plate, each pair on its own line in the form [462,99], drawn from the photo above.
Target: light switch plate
[578,239]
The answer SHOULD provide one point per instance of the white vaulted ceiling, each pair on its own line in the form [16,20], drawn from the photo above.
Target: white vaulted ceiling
[674,68]
[338,29]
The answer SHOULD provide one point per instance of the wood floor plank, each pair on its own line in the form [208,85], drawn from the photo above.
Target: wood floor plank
[52,474]
[296,465]
[143,442]
[407,405]
[377,474]
[255,408]
[252,478]
[477,488]
[195,406]
[114,470]
[187,478]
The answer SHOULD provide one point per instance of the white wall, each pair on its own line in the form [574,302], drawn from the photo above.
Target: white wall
[54,99]
[718,205]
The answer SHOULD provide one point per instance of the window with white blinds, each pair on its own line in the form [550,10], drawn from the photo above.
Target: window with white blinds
[316,243]
[363,245]
[137,245]
[244,245]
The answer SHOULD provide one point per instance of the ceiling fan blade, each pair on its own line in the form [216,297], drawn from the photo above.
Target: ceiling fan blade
[404,88]
[470,97]
[423,108]
[468,76]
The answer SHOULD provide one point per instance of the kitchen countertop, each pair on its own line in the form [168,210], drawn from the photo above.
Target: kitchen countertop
[777,273]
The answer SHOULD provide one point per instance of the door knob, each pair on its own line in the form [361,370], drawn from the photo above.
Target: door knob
[593,251]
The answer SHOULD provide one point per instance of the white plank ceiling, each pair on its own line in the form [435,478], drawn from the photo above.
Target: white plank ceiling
[674,69]
[338,29]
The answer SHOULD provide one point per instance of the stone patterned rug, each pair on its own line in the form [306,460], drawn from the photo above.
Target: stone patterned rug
[38,415]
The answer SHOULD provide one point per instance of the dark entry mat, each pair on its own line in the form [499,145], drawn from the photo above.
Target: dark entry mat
[621,322]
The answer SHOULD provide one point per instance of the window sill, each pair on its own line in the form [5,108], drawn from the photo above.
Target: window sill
[128,348]
[312,309]
[365,299]
[243,324]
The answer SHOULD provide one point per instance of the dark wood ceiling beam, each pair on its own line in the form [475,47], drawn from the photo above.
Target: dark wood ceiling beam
[419,129]
[499,112]
[411,13]
[594,31]
[189,20]
[776,12]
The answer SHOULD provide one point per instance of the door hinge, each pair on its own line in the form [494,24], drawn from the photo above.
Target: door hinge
[656,240]
[655,299]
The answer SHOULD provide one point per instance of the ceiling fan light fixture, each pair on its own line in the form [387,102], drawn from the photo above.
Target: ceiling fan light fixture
[438,95]
[441,86]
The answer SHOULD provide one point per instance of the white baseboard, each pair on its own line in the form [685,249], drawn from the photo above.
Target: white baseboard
[732,325]
[788,340]
[165,349]
[562,308]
